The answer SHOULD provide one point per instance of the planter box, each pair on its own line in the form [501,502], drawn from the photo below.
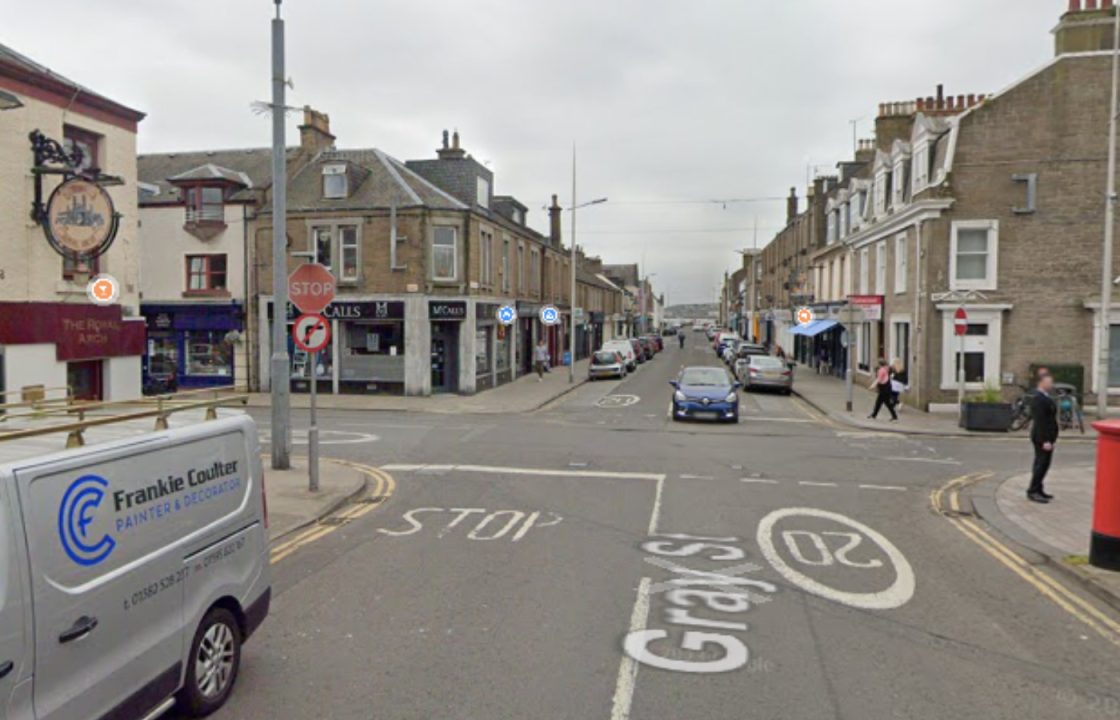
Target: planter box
[986,417]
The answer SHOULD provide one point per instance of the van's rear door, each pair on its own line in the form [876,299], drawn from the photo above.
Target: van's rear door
[108,529]
[15,610]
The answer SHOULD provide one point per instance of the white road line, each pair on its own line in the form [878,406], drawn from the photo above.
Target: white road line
[810,483]
[655,514]
[759,481]
[522,471]
[696,477]
[756,418]
[936,461]
[882,487]
[628,667]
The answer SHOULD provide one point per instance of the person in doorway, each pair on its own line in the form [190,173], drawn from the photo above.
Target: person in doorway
[882,387]
[900,381]
[822,361]
[1044,435]
[540,359]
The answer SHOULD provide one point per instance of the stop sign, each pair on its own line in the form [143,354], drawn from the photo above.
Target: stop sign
[960,321]
[311,288]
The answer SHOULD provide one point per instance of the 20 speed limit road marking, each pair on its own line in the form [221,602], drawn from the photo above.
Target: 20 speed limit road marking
[1059,594]
[383,487]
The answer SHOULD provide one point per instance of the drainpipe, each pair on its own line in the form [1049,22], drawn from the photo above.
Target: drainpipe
[916,377]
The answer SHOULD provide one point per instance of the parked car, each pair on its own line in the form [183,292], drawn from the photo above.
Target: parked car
[608,364]
[723,340]
[136,566]
[730,348]
[764,371]
[657,343]
[705,393]
[647,347]
[639,351]
[711,331]
[743,354]
[625,348]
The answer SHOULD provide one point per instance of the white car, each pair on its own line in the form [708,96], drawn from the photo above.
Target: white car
[626,350]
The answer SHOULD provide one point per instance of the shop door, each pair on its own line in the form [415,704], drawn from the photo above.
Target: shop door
[84,379]
[445,357]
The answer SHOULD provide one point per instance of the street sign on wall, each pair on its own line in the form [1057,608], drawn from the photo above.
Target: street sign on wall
[311,288]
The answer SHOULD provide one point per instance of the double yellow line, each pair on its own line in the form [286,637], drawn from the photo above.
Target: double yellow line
[1059,594]
[383,486]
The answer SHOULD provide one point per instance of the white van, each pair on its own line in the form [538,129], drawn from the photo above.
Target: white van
[131,571]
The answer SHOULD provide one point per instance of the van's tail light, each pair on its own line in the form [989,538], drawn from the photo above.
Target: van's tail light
[264,501]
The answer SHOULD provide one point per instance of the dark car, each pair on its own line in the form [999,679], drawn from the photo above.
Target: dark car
[705,393]
[647,347]
[656,342]
[639,351]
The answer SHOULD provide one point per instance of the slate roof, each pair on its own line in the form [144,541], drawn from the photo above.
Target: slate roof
[255,164]
[378,181]
[210,171]
[589,278]
[627,274]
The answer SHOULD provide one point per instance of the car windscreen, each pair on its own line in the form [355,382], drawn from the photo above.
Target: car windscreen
[763,362]
[605,358]
[705,376]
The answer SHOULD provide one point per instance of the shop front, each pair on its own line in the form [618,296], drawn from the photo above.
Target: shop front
[493,347]
[190,346]
[595,330]
[92,350]
[529,334]
[446,318]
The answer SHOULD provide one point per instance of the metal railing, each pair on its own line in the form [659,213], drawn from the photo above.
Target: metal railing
[207,213]
[89,416]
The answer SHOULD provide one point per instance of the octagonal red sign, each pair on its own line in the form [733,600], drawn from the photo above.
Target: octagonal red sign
[311,288]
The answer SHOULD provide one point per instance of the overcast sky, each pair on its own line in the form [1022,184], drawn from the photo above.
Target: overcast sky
[671,102]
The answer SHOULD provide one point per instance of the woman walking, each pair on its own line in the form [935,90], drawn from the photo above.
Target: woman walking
[899,382]
[882,386]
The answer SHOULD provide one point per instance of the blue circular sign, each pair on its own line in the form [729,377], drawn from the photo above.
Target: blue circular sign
[507,314]
[550,315]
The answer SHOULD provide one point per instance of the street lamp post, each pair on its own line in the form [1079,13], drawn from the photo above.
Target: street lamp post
[281,395]
[1104,330]
[572,298]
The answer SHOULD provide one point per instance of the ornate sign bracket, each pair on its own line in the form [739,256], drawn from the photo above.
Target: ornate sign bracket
[52,158]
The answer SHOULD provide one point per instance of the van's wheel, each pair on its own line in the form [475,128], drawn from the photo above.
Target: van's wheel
[214,660]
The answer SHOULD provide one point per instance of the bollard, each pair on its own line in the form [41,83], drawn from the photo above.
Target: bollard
[1104,544]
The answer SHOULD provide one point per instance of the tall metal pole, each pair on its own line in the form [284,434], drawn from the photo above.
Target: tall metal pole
[281,392]
[1104,337]
[572,317]
[849,372]
[960,368]
[313,430]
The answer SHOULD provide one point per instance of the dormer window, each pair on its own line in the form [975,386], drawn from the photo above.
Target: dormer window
[336,183]
[483,193]
[205,204]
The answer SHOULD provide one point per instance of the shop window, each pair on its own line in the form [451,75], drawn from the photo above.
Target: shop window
[505,265]
[205,204]
[208,354]
[482,350]
[206,274]
[88,143]
[444,253]
[163,355]
[374,338]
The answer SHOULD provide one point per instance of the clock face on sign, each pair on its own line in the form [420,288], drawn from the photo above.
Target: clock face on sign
[80,218]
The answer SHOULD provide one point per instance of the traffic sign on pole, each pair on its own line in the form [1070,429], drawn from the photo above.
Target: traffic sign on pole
[311,288]
[960,322]
[311,332]
[550,315]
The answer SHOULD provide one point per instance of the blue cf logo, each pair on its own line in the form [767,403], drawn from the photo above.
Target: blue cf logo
[548,315]
[507,315]
[76,513]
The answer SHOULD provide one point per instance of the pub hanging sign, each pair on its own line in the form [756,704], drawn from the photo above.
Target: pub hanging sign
[78,219]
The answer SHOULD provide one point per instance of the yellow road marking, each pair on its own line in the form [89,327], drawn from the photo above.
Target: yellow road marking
[382,489]
[1059,594]
[813,414]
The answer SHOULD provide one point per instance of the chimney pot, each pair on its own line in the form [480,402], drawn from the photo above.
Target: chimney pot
[972,99]
[455,140]
[445,143]
[1090,4]
[940,93]
[920,104]
[931,103]
[1074,5]
[1106,4]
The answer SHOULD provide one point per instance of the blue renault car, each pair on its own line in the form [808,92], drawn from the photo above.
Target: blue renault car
[705,393]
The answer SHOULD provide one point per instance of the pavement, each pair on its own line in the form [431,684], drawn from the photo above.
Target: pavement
[524,394]
[596,559]
[292,506]
[828,395]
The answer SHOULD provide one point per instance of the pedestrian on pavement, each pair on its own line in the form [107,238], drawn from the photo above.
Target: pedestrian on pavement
[822,363]
[900,382]
[1044,435]
[882,387]
[680,337]
[540,356]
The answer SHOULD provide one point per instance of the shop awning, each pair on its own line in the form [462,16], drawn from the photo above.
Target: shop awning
[818,326]
[806,329]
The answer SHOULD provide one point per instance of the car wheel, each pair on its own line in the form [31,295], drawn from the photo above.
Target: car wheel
[213,663]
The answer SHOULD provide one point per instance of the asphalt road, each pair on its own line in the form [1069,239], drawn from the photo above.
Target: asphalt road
[535,567]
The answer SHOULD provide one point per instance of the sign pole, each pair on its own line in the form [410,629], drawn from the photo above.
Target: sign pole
[960,364]
[281,440]
[313,429]
[848,374]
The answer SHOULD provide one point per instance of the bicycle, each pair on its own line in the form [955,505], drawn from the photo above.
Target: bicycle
[1069,410]
[1021,410]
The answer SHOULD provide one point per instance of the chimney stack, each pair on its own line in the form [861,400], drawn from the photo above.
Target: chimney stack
[1084,27]
[791,205]
[454,152]
[554,223]
[315,132]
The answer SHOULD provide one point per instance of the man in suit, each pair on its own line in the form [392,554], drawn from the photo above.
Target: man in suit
[1044,434]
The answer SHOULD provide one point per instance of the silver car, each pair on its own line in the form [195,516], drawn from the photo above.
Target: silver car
[607,364]
[764,371]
